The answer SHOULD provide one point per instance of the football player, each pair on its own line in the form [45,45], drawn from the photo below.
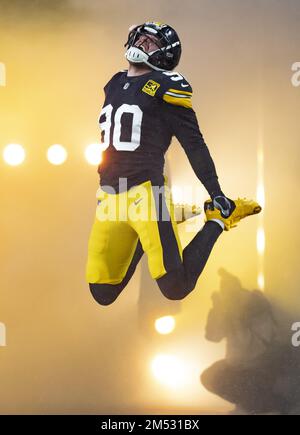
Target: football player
[144,107]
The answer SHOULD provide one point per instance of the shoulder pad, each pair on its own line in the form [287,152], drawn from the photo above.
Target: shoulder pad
[176,89]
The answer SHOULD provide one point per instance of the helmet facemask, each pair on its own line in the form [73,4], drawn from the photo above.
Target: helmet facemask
[164,57]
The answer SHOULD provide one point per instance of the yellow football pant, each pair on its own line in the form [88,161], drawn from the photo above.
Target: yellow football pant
[143,213]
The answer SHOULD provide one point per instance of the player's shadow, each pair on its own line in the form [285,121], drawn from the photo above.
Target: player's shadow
[261,370]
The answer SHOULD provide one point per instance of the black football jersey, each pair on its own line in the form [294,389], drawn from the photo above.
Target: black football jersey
[139,117]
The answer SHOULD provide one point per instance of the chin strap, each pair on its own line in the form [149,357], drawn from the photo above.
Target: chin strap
[136,55]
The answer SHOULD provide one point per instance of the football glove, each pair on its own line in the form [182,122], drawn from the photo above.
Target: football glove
[224,204]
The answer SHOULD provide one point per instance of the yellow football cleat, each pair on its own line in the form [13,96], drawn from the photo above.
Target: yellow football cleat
[183,212]
[243,208]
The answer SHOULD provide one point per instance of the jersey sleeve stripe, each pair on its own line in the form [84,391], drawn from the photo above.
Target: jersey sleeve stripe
[184,102]
[177,95]
[176,91]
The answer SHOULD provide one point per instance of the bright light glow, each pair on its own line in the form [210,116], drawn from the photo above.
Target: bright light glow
[260,157]
[57,154]
[165,325]
[169,371]
[14,154]
[261,199]
[93,153]
[2,74]
[260,241]
[176,192]
[261,281]
[260,194]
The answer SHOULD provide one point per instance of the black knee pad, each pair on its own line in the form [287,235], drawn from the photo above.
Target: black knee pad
[173,285]
[173,294]
[105,294]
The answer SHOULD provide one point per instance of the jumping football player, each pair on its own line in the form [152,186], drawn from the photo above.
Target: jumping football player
[145,106]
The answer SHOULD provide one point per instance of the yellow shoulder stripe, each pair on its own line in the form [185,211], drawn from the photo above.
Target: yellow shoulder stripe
[180,92]
[178,101]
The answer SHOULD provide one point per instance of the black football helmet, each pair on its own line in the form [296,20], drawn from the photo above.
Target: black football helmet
[166,57]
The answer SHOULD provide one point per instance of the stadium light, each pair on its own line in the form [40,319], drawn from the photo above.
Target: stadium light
[165,325]
[14,154]
[169,370]
[93,153]
[57,154]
